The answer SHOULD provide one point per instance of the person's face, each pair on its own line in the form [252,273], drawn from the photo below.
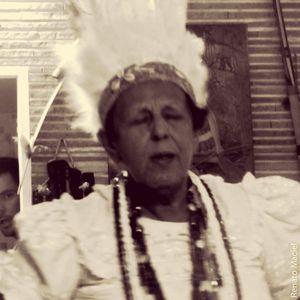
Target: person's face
[9,203]
[155,136]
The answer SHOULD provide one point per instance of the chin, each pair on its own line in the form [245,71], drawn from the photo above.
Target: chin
[161,181]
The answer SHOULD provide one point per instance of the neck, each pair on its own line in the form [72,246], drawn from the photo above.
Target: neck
[166,204]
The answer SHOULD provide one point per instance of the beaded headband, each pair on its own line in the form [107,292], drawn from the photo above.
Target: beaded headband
[135,75]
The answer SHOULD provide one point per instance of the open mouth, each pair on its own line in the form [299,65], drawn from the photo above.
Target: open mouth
[163,157]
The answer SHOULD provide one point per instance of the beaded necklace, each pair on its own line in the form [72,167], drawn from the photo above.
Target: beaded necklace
[205,277]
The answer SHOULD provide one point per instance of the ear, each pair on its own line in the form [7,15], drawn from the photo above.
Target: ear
[108,145]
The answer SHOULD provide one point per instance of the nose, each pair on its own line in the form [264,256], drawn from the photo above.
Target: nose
[160,129]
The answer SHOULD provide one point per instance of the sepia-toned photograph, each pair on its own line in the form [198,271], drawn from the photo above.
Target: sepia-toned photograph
[150,149]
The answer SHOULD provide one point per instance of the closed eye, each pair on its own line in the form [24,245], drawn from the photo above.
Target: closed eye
[173,116]
[140,120]
[142,117]
[170,113]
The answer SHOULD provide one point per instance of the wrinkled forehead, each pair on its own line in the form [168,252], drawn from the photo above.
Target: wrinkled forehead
[152,95]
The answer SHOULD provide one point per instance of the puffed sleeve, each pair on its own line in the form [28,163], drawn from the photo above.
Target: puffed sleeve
[244,230]
[45,264]
[277,201]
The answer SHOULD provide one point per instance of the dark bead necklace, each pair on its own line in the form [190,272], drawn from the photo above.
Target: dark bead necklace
[205,271]
[225,240]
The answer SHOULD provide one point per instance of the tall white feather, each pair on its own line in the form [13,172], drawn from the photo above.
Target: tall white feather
[114,34]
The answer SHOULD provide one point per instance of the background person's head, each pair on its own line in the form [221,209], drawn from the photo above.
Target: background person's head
[9,200]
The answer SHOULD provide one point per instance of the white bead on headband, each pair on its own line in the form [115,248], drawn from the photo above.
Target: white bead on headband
[117,36]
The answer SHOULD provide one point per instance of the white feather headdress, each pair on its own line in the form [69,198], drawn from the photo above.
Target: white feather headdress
[114,35]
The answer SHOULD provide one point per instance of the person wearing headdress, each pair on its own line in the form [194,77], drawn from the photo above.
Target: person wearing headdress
[137,80]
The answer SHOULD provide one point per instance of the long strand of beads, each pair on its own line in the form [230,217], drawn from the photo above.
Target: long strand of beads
[202,259]
[147,274]
[197,226]
[120,243]
[225,240]
[215,275]
[198,273]
[205,274]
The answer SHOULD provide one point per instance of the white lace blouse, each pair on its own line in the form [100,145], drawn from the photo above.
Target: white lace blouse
[67,248]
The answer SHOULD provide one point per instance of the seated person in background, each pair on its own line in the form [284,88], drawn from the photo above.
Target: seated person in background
[9,199]
[159,232]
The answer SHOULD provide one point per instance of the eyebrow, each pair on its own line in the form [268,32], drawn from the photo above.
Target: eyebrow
[146,109]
